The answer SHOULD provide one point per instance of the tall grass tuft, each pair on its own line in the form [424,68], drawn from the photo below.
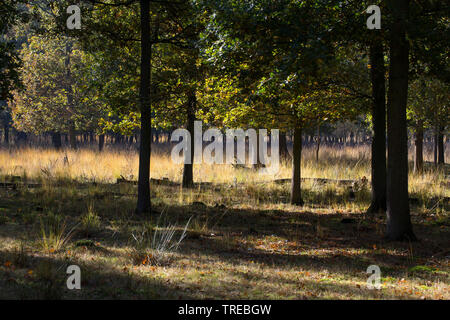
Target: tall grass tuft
[55,233]
[153,245]
[90,222]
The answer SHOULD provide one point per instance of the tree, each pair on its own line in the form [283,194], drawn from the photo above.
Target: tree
[284,59]
[9,61]
[399,225]
[430,73]
[417,104]
[57,97]
[109,24]
[180,71]
[143,203]
[428,109]
[427,47]
[351,31]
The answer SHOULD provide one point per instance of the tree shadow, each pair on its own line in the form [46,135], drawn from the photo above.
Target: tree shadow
[48,280]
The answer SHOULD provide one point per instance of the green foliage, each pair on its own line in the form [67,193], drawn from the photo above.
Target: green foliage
[9,60]
[428,102]
[58,81]
[282,65]
[112,34]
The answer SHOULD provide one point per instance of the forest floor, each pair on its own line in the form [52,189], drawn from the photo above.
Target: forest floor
[243,240]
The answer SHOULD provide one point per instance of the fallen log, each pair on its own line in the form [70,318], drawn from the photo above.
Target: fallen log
[319,180]
[15,185]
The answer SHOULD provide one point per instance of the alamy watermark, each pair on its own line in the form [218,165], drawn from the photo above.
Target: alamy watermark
[374,21]
[74,280]
[213,152]
[74,20]
[374,281]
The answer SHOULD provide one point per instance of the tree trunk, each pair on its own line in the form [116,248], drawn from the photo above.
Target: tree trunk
[378,161]
[436,147]
[130,140]
[56,140]
[72,136]
[441,156]
[318,140]
[352,139]
[143,203]
[399,225]
[418,158]
[188,169]
[22,138]
[101,142]
[296,194]
[258,163]
[284,153]
[6,137]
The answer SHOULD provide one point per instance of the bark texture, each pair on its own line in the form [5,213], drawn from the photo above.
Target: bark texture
[399,225]
[143,203]
[379,128]
[296,193]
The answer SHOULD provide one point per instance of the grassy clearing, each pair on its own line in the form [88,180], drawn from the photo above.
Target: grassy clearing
[243,239]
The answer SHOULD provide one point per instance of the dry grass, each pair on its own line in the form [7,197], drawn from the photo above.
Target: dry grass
[82,165]
[347,163]
[244,240]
